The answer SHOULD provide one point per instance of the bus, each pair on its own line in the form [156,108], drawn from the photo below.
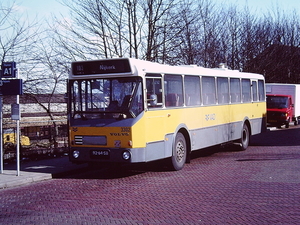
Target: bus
[127,110]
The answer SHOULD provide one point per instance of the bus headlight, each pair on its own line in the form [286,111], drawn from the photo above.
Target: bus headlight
[76,154]
[126,155]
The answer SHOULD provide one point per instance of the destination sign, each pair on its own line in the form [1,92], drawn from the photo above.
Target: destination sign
[101,67]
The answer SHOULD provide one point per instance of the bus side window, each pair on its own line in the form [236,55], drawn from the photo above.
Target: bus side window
[154,90]
[246,90]
[192,90]
[261,90]
[173,90]
[254,91]
[209,90]
[223,90]
[235,90]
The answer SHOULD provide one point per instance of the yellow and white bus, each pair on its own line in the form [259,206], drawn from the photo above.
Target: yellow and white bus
[131,111]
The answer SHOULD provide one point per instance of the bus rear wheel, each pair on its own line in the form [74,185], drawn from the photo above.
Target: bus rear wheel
[245,138]
[179,152]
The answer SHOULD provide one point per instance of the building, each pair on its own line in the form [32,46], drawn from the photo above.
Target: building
[40,115]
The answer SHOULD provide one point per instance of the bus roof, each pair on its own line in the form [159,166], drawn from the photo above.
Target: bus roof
[118,67]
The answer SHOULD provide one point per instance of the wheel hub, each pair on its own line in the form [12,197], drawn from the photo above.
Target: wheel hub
[180,151]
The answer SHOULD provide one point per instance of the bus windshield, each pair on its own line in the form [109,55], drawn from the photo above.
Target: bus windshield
[116,98]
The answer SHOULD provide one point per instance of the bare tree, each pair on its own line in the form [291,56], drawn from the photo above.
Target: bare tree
[103,29]
[173,32]
[18,36]
[47,78]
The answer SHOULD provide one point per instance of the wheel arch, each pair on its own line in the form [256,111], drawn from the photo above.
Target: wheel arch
[247,122]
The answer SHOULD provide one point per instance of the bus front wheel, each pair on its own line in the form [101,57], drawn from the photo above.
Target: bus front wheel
[245,137]
[179,152]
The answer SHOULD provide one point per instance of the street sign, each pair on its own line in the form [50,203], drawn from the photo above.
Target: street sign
[8,70]
[15,111]
[11,87]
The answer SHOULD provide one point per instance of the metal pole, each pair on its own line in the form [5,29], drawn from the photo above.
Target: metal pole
[1,138]
[18,140]
[18,131]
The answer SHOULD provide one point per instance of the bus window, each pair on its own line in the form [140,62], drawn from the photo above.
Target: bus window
[246,90]
[173,90]
[75,96]
[209,90]
[223,90]
[235,90]
[254,91]
[192,90]
[261,90]
[154,90]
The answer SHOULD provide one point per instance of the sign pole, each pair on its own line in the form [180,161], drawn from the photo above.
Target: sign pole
[18,140]
[1,139]
[18,132]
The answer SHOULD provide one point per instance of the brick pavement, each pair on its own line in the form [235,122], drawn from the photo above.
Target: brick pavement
[256,186]
[36,170]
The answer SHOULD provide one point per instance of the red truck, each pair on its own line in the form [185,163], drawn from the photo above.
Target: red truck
[282,106]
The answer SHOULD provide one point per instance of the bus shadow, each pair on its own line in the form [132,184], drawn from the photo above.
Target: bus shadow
[118,171]
[278,137]
[205,152]
[122,171]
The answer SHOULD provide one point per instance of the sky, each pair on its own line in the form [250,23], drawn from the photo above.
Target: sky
[263,6]
[44,8]
[40,8]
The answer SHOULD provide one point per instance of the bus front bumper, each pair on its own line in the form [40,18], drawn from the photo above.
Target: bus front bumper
[117,155]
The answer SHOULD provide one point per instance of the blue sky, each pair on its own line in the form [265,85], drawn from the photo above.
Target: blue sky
[262,6]
[44,8]
[40,8]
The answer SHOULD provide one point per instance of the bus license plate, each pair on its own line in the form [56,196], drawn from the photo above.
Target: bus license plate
[100,154]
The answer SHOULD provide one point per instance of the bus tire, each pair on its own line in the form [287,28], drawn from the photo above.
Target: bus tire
[245,137]
[179,152]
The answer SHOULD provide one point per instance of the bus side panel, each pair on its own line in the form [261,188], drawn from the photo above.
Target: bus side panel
[235,130]
[204,137]
[155,151]
[256,126]
[255,112]
[258,120]
[223,120]
[155,124]
[213,128]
